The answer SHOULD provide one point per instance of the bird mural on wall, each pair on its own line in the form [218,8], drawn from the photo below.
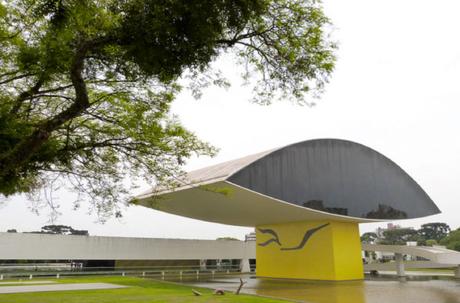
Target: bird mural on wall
[276,240]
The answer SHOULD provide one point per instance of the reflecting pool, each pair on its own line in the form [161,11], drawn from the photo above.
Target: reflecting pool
[419,289]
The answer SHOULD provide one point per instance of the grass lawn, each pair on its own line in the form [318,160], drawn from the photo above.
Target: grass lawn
[140,291]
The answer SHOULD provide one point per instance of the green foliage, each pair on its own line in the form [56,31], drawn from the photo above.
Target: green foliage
[227,239]
[223,190]
[399,236]
[431,242]
[369,237]
[86,85]
[165,37]
[435,231]
[429,234]
[452,240]
[62,230]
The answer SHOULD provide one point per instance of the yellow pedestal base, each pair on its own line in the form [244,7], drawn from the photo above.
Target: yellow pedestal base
[316,250]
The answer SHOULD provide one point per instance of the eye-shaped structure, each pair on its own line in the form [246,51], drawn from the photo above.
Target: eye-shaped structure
[323,179]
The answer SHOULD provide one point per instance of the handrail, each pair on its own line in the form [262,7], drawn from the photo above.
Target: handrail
[178,272]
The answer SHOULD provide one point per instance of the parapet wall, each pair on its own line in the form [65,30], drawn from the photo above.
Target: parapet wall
[17,246]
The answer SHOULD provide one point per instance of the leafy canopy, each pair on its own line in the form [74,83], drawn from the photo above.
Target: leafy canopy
[86,85]
[434,231]
[399,236]
[61,230]
[452,240]
[368,238]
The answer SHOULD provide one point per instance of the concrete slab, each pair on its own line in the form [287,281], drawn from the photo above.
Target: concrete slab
[57,287]
[417,273]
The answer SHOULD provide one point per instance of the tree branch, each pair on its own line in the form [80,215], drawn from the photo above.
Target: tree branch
[18,156]
[16,78]
[26,95]
[55,89]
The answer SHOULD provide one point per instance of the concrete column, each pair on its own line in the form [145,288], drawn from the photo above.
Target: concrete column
[457,272]
[245,266]
[399,258]
[202,264]
[309,262]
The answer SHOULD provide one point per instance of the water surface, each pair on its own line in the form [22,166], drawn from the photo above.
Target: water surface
[420,289]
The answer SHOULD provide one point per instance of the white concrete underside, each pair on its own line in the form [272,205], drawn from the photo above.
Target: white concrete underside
[238,206]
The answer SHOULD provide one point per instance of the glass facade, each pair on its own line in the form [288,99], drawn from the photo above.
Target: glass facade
[339,177]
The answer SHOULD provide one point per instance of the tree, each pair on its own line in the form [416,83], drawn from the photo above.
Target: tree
[434,231]
[56,229]
[452,241]
[369,237]
[399,236]
[227,239]
[431,242]
[61,230]
[86,85]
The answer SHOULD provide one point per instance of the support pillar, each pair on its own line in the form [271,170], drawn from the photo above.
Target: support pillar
[245,266]
[316,250]
[202,264]
[457,272]
[399,259]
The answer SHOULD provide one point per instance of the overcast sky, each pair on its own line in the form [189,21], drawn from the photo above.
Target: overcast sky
[395,89]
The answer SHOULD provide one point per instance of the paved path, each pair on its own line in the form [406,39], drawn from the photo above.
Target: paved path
[434,254]
[57,287]
[418,273]
[27,282]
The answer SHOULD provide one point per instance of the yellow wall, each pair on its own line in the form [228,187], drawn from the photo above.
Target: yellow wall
[331,253]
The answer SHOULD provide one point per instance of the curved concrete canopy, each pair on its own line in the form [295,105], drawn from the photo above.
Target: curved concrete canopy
[311,180]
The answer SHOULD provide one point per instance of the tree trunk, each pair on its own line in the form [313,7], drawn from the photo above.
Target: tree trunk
[22,152]
[240,287]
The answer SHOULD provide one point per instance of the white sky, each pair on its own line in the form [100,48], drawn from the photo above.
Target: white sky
[396,89]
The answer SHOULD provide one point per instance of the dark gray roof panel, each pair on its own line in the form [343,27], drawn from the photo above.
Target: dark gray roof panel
[339,177]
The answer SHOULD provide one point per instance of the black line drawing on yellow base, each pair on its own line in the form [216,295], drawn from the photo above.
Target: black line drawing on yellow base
[275,238]
[271,232]
[307,236]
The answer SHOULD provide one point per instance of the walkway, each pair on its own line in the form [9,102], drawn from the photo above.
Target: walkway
[437,258]
[57,287]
